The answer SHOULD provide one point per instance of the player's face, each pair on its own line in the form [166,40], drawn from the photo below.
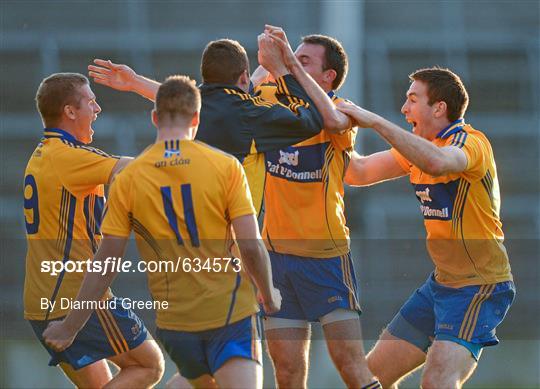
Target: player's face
[86,114]
[311,58]
[417,110]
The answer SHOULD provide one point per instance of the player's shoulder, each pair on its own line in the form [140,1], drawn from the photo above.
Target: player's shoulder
[467,135]
[474,133]
[64,148]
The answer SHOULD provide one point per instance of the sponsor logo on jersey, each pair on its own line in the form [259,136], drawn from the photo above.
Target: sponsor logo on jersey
[423,195]
[297,163]
[286,158]
[437,200]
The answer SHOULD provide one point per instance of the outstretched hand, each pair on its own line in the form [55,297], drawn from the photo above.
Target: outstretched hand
[116,76]
[57,336]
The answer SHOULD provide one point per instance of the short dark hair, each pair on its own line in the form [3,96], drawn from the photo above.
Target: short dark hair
[335,56]
[178,96]
[223,61]
[444,85]
[57,91]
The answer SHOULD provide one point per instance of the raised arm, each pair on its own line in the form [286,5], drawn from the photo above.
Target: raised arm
[60,334]
[123,78]
[433,160]
[256,261]
[334,121]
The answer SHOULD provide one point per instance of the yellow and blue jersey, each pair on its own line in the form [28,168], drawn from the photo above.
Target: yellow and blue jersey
[179,198]
[461,212]
[63,203]
[304,207]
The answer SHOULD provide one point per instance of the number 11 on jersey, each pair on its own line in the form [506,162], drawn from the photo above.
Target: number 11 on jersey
[189,213]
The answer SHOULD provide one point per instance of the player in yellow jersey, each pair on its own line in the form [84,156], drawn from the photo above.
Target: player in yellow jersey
[307,237]
[181,197]
[63,201]
[449,319]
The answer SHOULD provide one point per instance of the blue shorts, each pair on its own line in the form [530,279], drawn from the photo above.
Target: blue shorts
[312,287]
[204,352]
[107,333]
[467,315]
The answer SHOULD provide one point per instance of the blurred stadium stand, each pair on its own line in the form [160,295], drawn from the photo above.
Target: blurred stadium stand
[494,46]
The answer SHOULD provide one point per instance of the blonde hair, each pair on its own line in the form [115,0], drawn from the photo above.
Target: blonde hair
[177,97]
[57,91]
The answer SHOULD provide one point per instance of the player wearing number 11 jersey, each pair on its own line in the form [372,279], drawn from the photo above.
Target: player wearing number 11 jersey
[181,198]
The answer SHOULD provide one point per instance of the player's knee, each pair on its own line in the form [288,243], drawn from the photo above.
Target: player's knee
[289,373]
[373,364]
[437,378]
[348,359]
[379,368]
[154,364]
[430,381]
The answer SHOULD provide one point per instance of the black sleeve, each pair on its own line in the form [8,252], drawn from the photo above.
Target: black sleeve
[290,121]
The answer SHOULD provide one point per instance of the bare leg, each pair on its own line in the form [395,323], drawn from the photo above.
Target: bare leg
[141,367]
[289,351]
[344,341]
[392,359]
[448,365]
[239,373]
[95,375]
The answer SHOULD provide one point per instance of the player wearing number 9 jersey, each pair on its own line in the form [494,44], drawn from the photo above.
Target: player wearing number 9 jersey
[181,198]
[63,201]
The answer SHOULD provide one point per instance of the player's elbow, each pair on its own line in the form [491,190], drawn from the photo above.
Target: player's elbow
[249,249]
[334,128]
[354,175]
[336,124]
[435,167]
